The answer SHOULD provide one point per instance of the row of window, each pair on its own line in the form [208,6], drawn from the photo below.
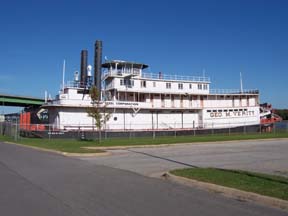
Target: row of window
[202,86]
[227,110]
[129,82]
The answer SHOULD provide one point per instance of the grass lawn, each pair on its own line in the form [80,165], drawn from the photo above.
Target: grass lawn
[269,185]
[63,145]
[75,146]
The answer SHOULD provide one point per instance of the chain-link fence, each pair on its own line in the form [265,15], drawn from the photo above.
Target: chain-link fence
[16,131]
[10,129]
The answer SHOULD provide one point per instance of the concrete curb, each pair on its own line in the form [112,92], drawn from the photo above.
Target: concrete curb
[229,192]
[67,154]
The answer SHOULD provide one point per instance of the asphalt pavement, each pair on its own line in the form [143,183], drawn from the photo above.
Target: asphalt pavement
[266,156]
[43,183]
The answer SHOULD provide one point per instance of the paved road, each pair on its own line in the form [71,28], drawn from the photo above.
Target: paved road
[42,183]
[268,156]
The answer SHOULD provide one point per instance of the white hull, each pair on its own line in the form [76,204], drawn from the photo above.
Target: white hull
[76,118]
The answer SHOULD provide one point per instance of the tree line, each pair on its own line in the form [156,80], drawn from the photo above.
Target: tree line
[282,112]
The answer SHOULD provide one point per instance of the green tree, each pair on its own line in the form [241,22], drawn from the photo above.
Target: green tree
[283,113]
[98,110]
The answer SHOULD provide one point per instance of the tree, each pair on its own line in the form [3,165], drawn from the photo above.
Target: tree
[98,110]
[283,113]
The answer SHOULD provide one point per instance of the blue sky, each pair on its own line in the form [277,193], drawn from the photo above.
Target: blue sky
[181,37]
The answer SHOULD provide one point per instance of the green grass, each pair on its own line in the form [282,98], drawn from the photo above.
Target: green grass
[269,185]
[63,145]
[75,146]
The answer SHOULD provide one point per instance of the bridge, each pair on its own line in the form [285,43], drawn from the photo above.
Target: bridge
[20,101]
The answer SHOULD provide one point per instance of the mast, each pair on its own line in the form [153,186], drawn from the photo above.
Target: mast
[63,75]
[241,84]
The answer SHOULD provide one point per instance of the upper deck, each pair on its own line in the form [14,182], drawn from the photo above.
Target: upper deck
[131,77]
[124,69]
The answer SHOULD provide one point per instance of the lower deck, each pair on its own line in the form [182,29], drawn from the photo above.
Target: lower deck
[76,118]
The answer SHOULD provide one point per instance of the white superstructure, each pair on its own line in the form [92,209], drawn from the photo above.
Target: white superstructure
[138,100]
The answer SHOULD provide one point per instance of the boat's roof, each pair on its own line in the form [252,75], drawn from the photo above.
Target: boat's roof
[123,64]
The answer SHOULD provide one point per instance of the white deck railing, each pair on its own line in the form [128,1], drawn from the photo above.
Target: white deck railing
[158,76]
[234,91]
[161,76]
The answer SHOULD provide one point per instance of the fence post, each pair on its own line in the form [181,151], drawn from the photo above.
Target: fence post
[15,135]
[229,129]
[175,129]
[130,131]
[49,131]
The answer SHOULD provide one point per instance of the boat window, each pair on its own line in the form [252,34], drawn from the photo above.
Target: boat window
[208,110]
[143,83]
[180,85]
[225,110]
[231,110]
[236,110]
[220,110]
[214,110]
[83,91]
[154,84]
[127,82]
[190,86]
[205,87]
[168,85]
[115,118]
[199,86]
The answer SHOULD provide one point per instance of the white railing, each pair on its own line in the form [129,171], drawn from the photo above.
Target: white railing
[74,84]
[234,91]
[121,72]
[175,77]
[159,76]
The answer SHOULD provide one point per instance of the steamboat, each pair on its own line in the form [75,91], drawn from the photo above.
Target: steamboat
[137,100]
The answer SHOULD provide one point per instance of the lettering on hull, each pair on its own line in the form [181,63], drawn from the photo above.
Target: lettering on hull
[231,114]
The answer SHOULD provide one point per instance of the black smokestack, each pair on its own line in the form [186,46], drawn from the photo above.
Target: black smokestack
[84,60]
[97,64]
